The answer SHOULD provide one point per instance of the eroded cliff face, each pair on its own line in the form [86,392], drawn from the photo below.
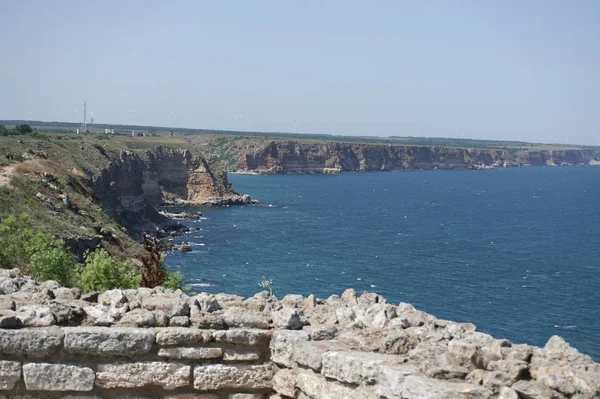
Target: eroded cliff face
[332,157]
[131,186]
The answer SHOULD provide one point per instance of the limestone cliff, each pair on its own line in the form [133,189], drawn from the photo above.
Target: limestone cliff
[131,186]
[300,157]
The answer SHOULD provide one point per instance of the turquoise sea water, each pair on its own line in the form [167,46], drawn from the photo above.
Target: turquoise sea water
[515,251]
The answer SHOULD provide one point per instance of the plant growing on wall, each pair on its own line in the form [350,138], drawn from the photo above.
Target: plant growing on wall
[268,284]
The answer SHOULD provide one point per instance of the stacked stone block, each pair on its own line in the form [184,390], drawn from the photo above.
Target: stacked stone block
[104,362]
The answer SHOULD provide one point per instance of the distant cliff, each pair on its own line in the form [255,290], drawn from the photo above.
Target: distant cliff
[298,157]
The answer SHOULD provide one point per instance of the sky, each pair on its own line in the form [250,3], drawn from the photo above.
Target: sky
[482,69]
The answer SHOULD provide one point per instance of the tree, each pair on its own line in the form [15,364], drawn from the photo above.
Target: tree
[3,130]
[23,129]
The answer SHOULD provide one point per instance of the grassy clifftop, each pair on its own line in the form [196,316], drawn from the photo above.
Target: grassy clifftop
[49,177]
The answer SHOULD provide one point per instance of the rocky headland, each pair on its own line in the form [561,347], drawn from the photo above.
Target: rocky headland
[96,192]
[132,186]
[56,342]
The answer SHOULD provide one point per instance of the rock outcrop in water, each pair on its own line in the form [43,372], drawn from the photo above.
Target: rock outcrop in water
[157,343]
[334,157]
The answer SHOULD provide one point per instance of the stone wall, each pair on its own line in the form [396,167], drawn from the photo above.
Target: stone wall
[104,362]
[158,343]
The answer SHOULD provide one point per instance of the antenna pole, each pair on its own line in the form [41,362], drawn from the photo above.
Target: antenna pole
[84,117]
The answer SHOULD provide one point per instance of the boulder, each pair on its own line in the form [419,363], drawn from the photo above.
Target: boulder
[8,319]
[349,296]
[36,316]
[383,316]
[287,318]
[535,390]
[292,301]
[66,293]
[171,305]
[7,303]
[207,302]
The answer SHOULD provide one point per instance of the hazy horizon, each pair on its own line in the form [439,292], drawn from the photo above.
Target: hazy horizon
[488,70]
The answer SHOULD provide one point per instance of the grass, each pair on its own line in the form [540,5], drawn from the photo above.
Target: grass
[71,160]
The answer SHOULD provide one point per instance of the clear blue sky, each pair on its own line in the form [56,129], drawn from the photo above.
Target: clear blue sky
[505,69]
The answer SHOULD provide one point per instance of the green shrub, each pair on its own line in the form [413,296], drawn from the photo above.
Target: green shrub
[51,261]
[23,129]
[39,253]
[103,272]
[175,281]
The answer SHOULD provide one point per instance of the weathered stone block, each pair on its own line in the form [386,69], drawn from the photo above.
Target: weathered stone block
[193,396]
[103,341]
[420,387]
[35,342]
[239,355]
[57,377]
[282,346]
[179,321]
[10,374]
[316,386]
[218,376]
[246,396]
[287,318]
[169,304]
[6,303]
[391,378]
[144,318]
[243,337]
[284,383]
[181,336]
[35,316]
[207,302]
[190,353]
[310,353]
[238,317]
[136,375]
[354,367]
[536,390]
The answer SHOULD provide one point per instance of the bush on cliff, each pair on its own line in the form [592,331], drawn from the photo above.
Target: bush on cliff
[39,253]
[103,272]
[154,269]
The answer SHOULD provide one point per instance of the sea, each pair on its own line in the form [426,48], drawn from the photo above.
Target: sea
[515,251]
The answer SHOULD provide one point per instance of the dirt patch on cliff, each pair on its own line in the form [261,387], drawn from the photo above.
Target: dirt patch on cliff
[5,174]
